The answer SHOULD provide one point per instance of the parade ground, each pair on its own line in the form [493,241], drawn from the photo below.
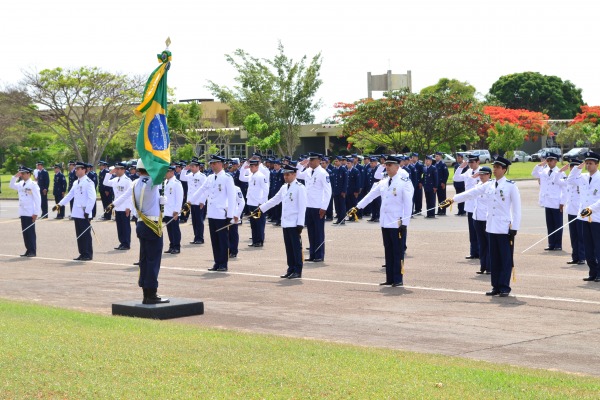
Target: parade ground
[550,321]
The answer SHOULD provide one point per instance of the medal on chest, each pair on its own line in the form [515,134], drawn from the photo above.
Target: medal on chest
[291,199]
[501,194]
[219,187]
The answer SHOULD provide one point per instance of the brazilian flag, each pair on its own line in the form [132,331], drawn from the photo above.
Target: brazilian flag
[153,142]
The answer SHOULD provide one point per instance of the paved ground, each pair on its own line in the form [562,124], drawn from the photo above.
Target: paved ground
[552,320]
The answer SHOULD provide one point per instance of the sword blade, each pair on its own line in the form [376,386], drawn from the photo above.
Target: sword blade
[86,229]
[34,222]
[547,236]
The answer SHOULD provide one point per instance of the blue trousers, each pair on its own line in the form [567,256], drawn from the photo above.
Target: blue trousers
[576,235]
[482,240]
[430,203]
[106,200]
[198,223]
[234,239]
[591,242]
[29,236]
[174,233]
[418,200]
[84,243]
[329,214]
[340,207]
[151,247]
[459,189]
[315,226]
[393,246]
[57,199]
[219,241]
[123,228]
[474,244]
[554,220]
[293,250]
[441,196]
[376,207]
[500,261]
[257,225]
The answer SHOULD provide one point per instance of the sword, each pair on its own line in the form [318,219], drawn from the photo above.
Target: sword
[545,237]
[37,219]
[86,229]
[227,226]
[421,212]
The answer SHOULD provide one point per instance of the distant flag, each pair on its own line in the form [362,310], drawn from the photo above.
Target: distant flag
[153,142]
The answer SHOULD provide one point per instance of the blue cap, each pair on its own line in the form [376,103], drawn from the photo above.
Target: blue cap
[313,156]
[288,168]
[414,154]
[195,161]
[23,168]
[215,158]
[439,153]
[373,158]
[39,163]
[428,158]
[253,162]
[392,160]
[102,163]
[550,155]
[502,161]
[590,155]
[485,170]
[71,162]
[257,154]
[473,157]
[80,164]
[574,163]
[120,165]
[172,167]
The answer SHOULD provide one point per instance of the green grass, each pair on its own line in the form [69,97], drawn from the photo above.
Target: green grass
[54,353]
[517,171]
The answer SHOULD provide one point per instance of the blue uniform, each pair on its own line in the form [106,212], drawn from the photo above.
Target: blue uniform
[418,196]
[43,181]
[375,205]
[94,178]
[430,182]
[339,186]
[275,183]
[459,187]
[106,193]
[442,180]
[59,190]
[354,188]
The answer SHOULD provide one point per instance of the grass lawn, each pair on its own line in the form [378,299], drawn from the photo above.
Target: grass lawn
[54,353]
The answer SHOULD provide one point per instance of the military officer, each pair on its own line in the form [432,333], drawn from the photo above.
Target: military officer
[94,178]
[275,183]
[84,193]
[418,197]
[571,198]
[59,189]
[371,181]
[234,236]
[195,179]
[462,174]
[292,196]
[503,222]
[480,211]
[121,185]
[30,207]
[430,185]
[396,194]
[459,186]
[72,179]
[328,167]
[219,193]
[147,201]
[174,194]
[318,193]
[258,192]
[132,173]
[178,171]
[354,185]
[589,189]
[339,185]
[43,181]
[442,180]
[550,177]
[106,193]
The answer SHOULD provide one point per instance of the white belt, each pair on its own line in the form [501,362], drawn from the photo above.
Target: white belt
[153,217]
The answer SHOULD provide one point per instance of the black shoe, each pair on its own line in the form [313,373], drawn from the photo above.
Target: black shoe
[59,218]
[285,276]
[277,224]
[307,248]
[78,258]
[136,263]
[494,292]
[154,299]
[214,268]
[25,254]
[258,244]
[175,251]
[472,257]
[294,275]
[233,255]
[30,255]
[375,219]
[397,284]
[590,279]
[383,266]
[488,273]
[122,248]
[309,259]
[480,272]
[503,294]
[550,249]
[573,262]
[168,251]
[329,219]
[386,284]
[221,269]
[85,259]
[317,260]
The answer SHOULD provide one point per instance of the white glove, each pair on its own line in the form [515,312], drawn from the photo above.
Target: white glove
[111,168]
[162,200]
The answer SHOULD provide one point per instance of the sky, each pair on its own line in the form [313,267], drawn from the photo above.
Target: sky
[472,41]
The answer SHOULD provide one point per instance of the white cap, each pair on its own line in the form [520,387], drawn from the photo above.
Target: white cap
[140,164]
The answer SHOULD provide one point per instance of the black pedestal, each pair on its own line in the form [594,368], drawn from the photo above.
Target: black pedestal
[177,308]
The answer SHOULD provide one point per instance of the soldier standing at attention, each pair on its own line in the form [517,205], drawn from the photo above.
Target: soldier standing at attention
[94,178]
[84,193]
[318,193]
[550,198]
[571,197]
[292,196]
[174,195]
[462,174]
[354,186]
[258,193]
[442,180]
[30,207]
[430,185]
[72,179]
[43,181]
[418,197]
[503,222]
[59,189]
[122,204]
[459,186]
[195,180]
[147,201]
[339,185]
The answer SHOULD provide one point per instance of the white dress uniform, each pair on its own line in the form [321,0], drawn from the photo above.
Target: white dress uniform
[84,194]
[219,191]
[571,198]
[396,200]
[589,188]
[174,194]
[258,187]
[122,187]
[318,186]
[195,181]
[293,200]
[470,183]
[30,202]
[381,174]
[239,206]
[504,206]
[549,185]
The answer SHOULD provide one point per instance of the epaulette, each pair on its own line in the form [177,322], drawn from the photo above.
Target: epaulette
[88,179]
[509,181]
[299,183]
[145,180]
[404,179]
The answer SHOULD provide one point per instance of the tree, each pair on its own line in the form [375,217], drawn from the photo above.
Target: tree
[533,123]
[281,91]
[584,130]
[505,137]
[17,115]
[86,107]
[258,133]
[451,86]
[536,92]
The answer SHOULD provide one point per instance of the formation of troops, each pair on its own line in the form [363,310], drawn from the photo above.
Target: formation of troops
[305,194]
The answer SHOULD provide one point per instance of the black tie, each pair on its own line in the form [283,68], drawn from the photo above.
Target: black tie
[312,172]
[215,177]
[473,173]
[390,182]
[590,181]
[288,186]
[496,184]
[550,173]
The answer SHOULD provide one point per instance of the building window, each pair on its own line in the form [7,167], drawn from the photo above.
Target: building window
[237,150]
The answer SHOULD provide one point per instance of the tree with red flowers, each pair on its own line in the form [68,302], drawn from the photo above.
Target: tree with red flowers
[584,130]
[533,123]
